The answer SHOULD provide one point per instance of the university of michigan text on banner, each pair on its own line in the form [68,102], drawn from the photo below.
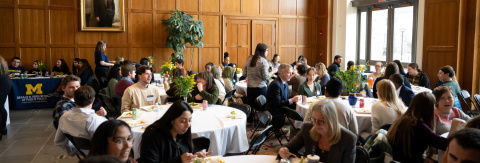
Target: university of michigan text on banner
[35,93]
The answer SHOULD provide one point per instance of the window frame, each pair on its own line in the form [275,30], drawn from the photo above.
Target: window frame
[368,6]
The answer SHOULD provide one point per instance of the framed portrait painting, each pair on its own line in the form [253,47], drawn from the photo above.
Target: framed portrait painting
[102,15]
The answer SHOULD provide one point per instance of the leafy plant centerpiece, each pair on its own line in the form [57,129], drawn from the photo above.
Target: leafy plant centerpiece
[167,68]
[184,86]
[182,29]
[151,61]
[351,78]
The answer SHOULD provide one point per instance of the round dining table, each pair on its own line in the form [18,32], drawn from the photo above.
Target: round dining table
[363,115]
[256,159]
[226,134]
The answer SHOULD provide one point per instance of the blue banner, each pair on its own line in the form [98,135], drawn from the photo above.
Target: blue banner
[35,93]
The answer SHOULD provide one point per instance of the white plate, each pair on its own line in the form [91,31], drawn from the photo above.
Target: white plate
[211,159]
[362,111]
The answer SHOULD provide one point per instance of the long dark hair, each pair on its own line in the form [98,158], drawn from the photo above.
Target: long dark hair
[113,73]
[85,67]
[75,69]
[273,58]
[64,67]
[99,141]
[207,76]
[175,111]
[99,47]
[420,109]
[399,64]
[259,52]
[390,69]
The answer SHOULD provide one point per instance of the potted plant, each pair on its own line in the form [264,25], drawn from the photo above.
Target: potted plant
[184,86]
[352,79]
[182,30]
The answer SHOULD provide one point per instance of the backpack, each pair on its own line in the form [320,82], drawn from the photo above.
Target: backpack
[378,147]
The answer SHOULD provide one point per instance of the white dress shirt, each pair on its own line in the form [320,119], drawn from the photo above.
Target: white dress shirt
[78,122]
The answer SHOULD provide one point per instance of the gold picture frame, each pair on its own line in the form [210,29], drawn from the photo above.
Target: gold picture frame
[94,12]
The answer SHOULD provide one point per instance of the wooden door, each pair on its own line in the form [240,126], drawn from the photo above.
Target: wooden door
[239,42]
[264,31]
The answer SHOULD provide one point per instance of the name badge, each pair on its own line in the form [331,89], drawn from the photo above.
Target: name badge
[150,98]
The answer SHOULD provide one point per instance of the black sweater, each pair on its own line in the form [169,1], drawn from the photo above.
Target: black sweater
[159,146]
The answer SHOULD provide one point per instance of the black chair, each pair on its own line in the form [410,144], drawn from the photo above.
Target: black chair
[258,140]
[79,144]
[117,101]
[466,96]
[292,116]
[476,97]
[264,120]
[243,107]
[228,96]
[200,143]
[108,104]
[261,103]
[362,155]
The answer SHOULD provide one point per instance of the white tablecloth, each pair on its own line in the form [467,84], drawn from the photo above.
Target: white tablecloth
[256,159]
[241,87]
[363,118]
[226,135]
[418,89]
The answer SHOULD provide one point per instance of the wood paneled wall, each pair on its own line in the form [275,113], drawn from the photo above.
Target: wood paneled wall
[50,29]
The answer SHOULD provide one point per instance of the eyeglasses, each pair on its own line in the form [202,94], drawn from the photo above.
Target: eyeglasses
[317,121]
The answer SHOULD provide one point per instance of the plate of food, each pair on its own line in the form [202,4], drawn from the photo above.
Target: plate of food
[212,159]
[195,105]
[363,111]
[149,108]
[135,123]
[129,114]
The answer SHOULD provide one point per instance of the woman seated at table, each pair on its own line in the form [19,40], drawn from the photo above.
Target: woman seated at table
[390,69]
[205,89]
[172,87]
[227,76]
[310,88]
[85,71]
[389,108]
[234,66]
[411,134]
[113,137]
[113,77]
[330,141]
[217,79]
[446,75]
[445,111]
[169,139]
[61,68]
[323,76]
[35,68]
[75,67]
[298,79]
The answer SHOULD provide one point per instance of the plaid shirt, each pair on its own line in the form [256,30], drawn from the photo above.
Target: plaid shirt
[63,105]
[414,80]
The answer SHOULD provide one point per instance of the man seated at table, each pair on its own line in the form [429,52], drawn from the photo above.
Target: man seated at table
[405,93]
[128,75]
[278,96]
[335,65]
[179,64]
[141,93]
[346,116]
[80,122]
[464,146]
[15,68]
[69,85]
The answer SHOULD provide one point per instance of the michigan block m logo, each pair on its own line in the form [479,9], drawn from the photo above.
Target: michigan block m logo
[37,89]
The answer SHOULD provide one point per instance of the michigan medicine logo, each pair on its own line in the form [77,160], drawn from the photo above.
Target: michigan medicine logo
[37,89]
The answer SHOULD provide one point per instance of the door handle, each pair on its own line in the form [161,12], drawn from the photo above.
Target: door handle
[239,46]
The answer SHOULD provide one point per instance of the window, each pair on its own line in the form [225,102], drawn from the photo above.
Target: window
[386,31]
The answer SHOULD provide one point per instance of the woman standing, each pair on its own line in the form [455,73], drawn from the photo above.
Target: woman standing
[102,63]
[310,88]
[169,139]
[323,76]
[325,137]
[61,68]
[256,70]
[412,133]
[389,108]
[6,86]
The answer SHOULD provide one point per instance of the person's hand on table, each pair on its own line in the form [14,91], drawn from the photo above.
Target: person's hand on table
[284,153]
[296,98]
[203,154]
[188,158]
[274,70]
[102,112]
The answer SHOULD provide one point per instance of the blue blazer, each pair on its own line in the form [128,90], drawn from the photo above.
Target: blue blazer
[276,97]
[406,94]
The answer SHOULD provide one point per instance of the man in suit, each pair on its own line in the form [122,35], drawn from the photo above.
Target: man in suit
[405,93]
[104,12]
[278,96]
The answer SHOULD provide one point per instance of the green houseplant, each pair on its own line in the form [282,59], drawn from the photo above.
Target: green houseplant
[185,85]
[182,30]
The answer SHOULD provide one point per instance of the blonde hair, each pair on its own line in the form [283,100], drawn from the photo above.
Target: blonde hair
[322,70]
[387,92]
[3,66]
[328,110]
